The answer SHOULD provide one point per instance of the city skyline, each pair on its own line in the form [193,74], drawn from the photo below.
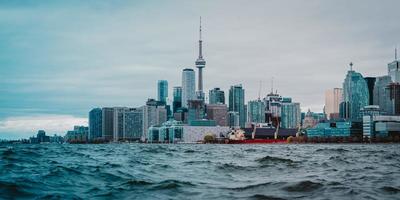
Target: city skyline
[32,90]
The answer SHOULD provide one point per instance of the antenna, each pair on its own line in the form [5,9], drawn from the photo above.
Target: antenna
[395,53]
[200,27]
[259,91]
[351,66]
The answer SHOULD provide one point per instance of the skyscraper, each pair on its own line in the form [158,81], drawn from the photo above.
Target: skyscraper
[256,111]
[382,94]
[177,98]
[95,123]
[118,132]
[133,124]
[236,103]
[394,69]
[333,97]
[107,123]
[291,115]
[371,85]
[188,86]
[200,64]
[162,91]
[216,96]
[154,114]
[355,94]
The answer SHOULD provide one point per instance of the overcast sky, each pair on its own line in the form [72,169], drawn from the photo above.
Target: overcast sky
[59,59]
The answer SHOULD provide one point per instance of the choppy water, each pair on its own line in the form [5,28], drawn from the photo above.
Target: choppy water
[144,171]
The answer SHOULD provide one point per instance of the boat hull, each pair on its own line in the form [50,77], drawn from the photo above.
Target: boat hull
[258,141]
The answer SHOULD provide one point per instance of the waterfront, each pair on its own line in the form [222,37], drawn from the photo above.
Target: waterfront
[162,171]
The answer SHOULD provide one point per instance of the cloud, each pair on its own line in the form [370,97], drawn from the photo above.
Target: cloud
[26,126]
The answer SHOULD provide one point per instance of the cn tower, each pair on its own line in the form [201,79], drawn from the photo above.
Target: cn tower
[200,64]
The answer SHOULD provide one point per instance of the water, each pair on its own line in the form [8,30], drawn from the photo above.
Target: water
[144,171]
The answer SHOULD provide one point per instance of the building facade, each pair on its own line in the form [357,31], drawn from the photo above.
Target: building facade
[291,115]
[256,111]
[162,91]
[382,94]
[95,124]
[133,124]
[107,123]
[218,113]
[236,103]
[177,99]
[216,96]
[333,98]
[355,95]
[188,86]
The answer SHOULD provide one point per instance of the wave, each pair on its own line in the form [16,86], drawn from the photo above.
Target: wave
[275,160]
[390,189]
[171,184]
[303,186]
[264,197]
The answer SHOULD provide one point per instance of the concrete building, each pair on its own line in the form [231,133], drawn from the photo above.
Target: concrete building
[154,114]
[236,103]
[95,124]
[218,113]
[118,132]
[233,119]
[333,97]
[133,124]
[78,135]
[188,86]
[216,96]
[394,90]
[382,125]
[107,123]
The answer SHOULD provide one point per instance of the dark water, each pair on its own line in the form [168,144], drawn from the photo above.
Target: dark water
[140,171]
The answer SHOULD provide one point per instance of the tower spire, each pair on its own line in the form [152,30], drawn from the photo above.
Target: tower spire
[200,42]
[351,66]
[395,53]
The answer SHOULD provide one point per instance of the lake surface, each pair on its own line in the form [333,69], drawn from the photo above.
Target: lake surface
[190,171]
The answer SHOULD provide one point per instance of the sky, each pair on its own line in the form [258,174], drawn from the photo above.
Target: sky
[59,59]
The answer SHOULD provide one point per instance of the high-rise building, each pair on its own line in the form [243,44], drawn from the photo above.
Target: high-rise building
[177,98]
[154,114]
[371,84]
[333,97]
[236,103]
[188,86]
[394,69]
[394,90]
[382,94]
[216,96]
[355,94]
[200,64]
[162,91]
[95,123]
[218,113]
[291,115]
[118,132]
[196,110]
[107,123]
[133,124]
[256,111]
